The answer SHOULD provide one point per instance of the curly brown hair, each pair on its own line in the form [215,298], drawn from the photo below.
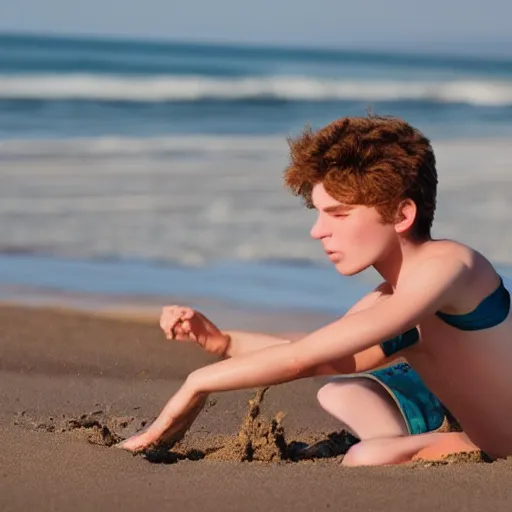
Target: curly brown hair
[373,161]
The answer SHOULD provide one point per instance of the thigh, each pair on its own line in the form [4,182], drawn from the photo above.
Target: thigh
[363,406]
[420,409]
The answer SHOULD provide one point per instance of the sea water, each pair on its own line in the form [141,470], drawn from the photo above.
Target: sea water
[161,163]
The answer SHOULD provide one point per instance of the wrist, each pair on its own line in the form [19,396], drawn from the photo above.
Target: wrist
[192,386]
[228,339]
[223,353]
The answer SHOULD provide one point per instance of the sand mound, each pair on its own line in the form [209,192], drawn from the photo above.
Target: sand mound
[259,440]
[95,427]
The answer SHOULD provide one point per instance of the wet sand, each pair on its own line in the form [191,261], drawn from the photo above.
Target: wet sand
[72,384]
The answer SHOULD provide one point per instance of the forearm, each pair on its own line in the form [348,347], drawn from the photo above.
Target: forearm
[245,342]
[340,341]
[242,342]
[273,365]
[277,364]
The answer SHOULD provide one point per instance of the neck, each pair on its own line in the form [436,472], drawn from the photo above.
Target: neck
[398,259]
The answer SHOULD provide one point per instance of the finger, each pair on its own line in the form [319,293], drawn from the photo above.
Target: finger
[176,333]
[179,334]
[170,334]
[167,312]
[185,327]
[178,337]
[178,330]
[169,321]
[181,337]
[187,313]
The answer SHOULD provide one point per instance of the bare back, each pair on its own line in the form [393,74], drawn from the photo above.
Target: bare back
[470,371]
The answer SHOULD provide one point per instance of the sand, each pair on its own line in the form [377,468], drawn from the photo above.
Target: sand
[73,384]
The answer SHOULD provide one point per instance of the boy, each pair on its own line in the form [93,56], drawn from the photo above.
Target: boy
[441,306]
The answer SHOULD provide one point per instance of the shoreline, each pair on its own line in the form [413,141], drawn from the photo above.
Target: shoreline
[146,310]
[236,295]
[266,286]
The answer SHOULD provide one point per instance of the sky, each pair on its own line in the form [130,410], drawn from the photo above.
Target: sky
[456,24]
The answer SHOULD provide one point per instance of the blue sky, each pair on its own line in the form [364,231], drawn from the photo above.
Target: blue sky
[357,23]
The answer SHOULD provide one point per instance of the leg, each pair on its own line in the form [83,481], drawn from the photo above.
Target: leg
[384,451]
[398,450]
[390,410]
[448,443]
[364,408]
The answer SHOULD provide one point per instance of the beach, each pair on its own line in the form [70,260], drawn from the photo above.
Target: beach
[65,374]
[137,174]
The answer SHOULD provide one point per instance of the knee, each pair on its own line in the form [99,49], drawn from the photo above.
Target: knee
[339,394]
[325,395]
[333,398]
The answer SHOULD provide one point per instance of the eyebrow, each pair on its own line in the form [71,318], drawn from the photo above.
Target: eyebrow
[337,208]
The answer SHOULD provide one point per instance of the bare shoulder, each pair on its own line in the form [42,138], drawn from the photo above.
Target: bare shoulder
[479,278]
[453,251]
[441,261]
[477,265]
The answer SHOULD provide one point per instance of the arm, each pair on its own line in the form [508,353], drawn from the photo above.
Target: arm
[363,360]
[431,287]
[246,342]
[434,284]
[243,342]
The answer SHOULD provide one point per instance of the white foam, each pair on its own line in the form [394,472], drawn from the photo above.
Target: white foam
[111,146]
[295,88]
[487,152]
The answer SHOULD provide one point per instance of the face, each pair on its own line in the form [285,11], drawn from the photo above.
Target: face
[353,237]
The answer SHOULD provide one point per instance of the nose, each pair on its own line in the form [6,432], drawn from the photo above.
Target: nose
[318,231]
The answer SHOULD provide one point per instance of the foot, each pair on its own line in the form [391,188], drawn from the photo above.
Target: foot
[449,444]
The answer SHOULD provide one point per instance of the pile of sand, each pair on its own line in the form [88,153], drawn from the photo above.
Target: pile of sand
[95,427]
[258,440]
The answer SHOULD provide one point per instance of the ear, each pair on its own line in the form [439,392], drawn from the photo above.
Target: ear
[406,215]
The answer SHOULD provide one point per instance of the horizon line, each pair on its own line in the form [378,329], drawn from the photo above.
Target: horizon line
[375,48]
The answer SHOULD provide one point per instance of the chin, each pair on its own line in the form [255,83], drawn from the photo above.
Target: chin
[347,270]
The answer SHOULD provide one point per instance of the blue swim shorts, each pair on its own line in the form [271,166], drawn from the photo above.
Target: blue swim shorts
[421,409]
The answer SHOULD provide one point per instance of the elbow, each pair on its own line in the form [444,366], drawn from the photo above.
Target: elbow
[298,367]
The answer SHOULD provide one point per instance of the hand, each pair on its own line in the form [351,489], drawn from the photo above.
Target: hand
[183,323]
[172,423]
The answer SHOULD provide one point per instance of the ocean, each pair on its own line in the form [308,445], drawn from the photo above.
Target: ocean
[161,163]
[62,87]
